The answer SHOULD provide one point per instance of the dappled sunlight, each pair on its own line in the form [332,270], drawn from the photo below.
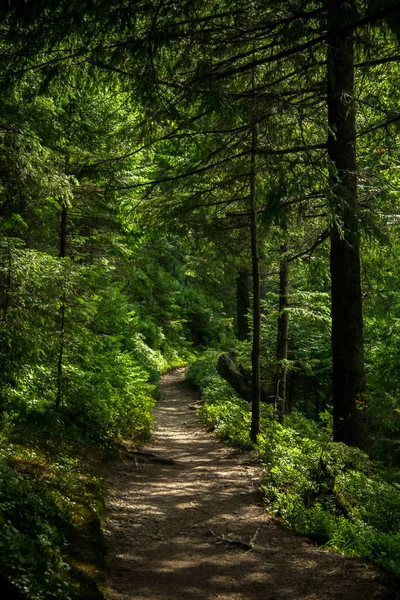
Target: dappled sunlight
[195,528]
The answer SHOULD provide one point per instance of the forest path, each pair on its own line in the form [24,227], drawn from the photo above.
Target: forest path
[189,524]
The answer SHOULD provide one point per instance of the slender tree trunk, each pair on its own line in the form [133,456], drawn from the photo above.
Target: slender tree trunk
[255,356]
[350,415]
[63,250]
[243,304]
[63,253]
[63,231]
[282,338]
[60,353]
[8,285]
[263,271]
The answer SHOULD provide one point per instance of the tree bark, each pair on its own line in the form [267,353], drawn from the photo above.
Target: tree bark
[63,253]
[239,378]
[60,354]
[63,250]
[243,304]
[8,284]
[255,262]
[63,231]
[350,414]
[282,338]
[263,271]
[240,381]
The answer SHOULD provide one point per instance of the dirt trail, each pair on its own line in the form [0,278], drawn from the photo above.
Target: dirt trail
[190,525]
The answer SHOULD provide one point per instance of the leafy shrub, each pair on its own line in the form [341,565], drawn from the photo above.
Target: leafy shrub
[31,538]
[227,414]
[202,373]
[328,491]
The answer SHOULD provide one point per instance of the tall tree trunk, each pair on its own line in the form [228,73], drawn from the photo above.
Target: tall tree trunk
[282,338]
[255,263]
[60,353]
[243,304]
[263,271]
[63,253]
[63,250]
[350,415]
[63,231]
[8,284]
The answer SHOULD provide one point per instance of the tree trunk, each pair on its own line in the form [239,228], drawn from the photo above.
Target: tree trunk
[350,415]
[60,354]
[243,304]
[282,338]
[63,250]
[63,231]
[263,271]
[239,378]
[255,263]
[8,284]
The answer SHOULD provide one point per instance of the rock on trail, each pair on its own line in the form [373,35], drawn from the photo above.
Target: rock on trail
[185,521]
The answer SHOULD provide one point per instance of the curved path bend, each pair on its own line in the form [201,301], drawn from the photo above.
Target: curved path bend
[187,523]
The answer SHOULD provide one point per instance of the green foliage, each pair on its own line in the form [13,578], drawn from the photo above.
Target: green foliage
[309,362]
[85,335]
[102,388]
[46,499]
[31,541]
[224,411]
[202,372]
[327,491]
[382,336]
[154,187]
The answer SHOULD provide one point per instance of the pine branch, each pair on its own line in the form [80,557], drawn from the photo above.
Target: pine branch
[319,241]
[378,61]
[381,125]
[293,150]
[382,14]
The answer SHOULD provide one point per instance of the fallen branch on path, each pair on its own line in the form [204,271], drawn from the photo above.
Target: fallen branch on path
[235,542]
[149,457]
[195,405]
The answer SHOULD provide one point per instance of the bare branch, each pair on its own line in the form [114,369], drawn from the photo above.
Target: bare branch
[319,241]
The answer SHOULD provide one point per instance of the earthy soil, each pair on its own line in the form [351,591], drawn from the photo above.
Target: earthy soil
[186,521]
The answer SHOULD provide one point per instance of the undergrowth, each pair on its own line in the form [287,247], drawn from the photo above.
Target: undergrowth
[329,492]
[51,490]
[51,505]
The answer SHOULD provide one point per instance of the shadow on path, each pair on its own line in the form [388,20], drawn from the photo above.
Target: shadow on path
[195,529]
